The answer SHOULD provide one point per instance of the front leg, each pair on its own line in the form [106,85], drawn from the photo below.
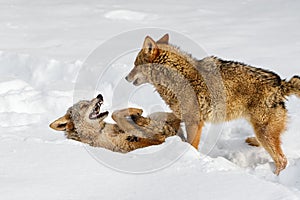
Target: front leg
[127,112]
[126,118]
[194,133]
[131,121]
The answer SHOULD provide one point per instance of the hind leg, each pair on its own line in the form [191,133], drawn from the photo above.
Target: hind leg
[268,129]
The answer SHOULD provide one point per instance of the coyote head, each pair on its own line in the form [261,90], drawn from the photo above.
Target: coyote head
[81,115]
[148,56]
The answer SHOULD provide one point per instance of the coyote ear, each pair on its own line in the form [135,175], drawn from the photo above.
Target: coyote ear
[164,39]
[61,123]
[150,47]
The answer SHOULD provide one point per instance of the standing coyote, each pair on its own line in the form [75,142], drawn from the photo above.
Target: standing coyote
[215,90]
[84,122]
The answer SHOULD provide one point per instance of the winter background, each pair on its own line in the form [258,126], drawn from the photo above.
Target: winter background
[43,45]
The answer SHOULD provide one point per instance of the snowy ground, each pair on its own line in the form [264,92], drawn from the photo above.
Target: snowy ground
[43,45]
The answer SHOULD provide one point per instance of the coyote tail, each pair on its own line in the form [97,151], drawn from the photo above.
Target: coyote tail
[292,86]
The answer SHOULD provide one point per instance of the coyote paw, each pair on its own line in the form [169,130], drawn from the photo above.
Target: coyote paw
[135,111]
[132,138]
[126,113]
[252,141]
[280,165]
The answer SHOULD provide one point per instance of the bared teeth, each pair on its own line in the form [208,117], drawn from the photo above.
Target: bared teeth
[96,111]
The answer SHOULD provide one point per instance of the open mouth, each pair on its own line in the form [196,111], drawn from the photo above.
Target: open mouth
[96,114]
[135,82]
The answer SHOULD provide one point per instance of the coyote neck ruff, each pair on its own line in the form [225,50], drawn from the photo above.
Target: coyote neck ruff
[215,90]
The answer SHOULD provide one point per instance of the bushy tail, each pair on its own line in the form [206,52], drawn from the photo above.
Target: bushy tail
[293,86]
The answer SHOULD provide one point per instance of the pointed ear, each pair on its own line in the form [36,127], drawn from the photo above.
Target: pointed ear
[150,47]
[164,39]
[61,123]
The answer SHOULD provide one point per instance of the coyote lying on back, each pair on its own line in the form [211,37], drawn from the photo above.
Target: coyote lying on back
[84,122]
[215,90]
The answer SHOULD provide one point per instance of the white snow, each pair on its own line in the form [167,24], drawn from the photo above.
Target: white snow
[43,46]
[125,15]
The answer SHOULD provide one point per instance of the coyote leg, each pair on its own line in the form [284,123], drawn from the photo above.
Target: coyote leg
[268,134]
[252,141]
[130,121]
[194,134]
[125,124]
[126,113]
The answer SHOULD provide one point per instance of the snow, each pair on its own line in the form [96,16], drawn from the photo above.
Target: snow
[44,46]
[125,15]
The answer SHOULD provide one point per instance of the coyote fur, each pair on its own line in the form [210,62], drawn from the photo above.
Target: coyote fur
[85,123]
[214,90]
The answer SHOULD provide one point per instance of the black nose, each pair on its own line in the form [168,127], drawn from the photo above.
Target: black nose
[100,97]
[126,78]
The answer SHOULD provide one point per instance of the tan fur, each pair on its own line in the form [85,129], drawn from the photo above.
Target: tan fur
[131,131]
[252,141]
[215,90]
